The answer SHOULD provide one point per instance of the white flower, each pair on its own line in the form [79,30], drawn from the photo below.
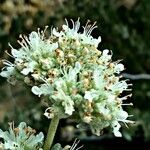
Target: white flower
[44,89]
[71,76]
[90,95]
[68,106]
[122,115]
[111,98]
[98,79]
[49,113]
[119,86]
[116,127]
[7,71]
[118,68]
[29,68]
[65,100]
[103,109]
[106,56]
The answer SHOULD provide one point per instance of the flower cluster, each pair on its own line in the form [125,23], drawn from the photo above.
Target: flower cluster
[74,77]
[21,138]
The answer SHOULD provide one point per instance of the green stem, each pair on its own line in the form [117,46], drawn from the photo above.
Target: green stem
[51,133]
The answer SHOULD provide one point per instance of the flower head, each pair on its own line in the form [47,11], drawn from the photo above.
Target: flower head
[74,76]
[21,138]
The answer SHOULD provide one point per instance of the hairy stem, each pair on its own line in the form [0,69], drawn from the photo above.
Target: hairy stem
[51,133]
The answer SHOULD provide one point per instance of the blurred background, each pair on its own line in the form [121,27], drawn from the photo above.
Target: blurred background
[124,26]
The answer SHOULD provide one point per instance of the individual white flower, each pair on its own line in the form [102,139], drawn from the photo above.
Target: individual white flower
[44,89]
[71,75]
[99,79]
[122,115]
[119,86]
[105,57]
[111,98]
[8,72]
[34,40]
[90,95]
[65,101]
[118,68]
[116,127]
[68,105]
[29,68]
[49,113]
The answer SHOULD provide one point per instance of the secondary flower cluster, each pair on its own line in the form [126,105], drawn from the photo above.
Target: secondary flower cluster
[21,138]
[73,76]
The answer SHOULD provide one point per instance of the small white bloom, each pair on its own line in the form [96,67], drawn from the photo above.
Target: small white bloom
[68,106]
[36,90]
[98,79]
[44,89]
[71,76]
[7,71]
[49,113]
[118,68]
[29,68]
[106,56]
[57,34]
[116,127]
[122,115]
[34,40]
[118,86]
[102,109]
[111,98]
[90,95]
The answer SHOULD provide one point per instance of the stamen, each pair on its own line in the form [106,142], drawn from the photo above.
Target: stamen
[38,31]
[75,144]
[125,97]
[9,54]
[92,27]
[45,28]
[8,63]
[79,147]
[130,104]
[127,89]
[66,22]
[44,80]
[27,40]
[130,115]
[86,27]
[127,121]
[126,124]
[43,33]
[73,26]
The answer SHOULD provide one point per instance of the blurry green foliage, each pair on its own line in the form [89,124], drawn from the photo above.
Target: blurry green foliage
[123,24]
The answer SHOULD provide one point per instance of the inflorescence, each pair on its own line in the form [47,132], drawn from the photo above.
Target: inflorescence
[21,138]
[76,79]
